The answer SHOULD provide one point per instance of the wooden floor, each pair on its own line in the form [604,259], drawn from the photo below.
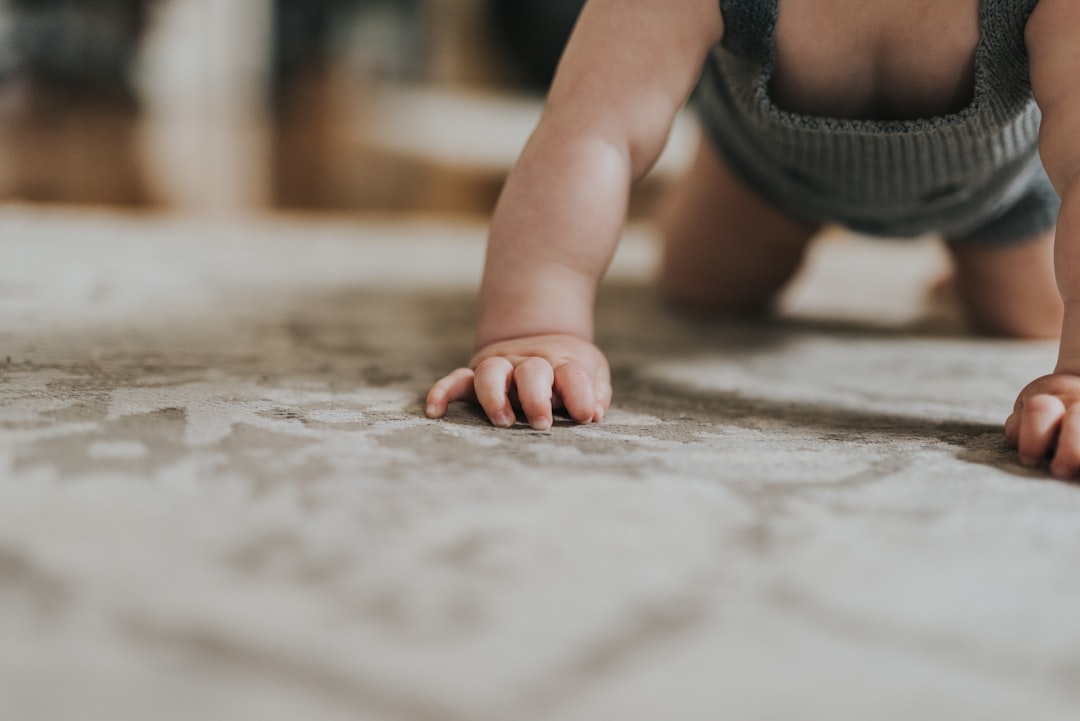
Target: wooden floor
[55,148]
[328,146]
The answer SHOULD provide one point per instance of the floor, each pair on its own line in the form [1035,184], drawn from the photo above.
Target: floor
[219,498]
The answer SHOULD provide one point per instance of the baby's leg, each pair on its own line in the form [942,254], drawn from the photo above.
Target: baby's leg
[1011,290]
[726,249]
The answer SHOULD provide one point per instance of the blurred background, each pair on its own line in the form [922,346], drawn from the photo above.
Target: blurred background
[224,106]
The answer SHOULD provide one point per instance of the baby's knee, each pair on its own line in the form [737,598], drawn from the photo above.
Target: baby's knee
[1045,325]
[717,298]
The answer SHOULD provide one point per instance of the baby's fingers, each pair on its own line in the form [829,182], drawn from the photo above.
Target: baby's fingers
[1066,461]
[1040,420]
[457,386]
[603,392]
[535,379]
[492,386]
[576,388]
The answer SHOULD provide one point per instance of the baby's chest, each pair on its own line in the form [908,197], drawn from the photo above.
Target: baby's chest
[877,59]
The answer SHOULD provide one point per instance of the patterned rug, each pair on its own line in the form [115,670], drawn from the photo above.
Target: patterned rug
[219,498]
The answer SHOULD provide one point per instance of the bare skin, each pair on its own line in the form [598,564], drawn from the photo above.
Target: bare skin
[628,69]
[709,265]
[1009,291]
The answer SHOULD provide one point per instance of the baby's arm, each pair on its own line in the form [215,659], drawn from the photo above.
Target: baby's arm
[1048,410]
[628,68]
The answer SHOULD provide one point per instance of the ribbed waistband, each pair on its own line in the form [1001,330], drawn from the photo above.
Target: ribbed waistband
[904,176]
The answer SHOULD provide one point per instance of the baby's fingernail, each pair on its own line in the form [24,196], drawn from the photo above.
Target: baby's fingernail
[432,410]
[540,424]
[1029,461]
[504,419]
[599,416]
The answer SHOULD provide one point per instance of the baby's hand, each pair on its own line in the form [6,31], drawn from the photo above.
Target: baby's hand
[537,374]
[1045,421]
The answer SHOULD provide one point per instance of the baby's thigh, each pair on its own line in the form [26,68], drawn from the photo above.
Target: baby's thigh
[1009,290]
[1005,268]
[725,246]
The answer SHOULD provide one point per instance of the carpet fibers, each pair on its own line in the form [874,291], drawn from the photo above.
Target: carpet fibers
[219,498]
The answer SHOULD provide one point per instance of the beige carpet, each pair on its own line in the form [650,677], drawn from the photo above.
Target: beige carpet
[219,498]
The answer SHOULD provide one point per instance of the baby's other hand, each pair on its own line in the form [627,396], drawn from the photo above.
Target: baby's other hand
[537,374]
[1046,421]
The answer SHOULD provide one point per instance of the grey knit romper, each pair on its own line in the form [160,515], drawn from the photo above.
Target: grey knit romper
[972,174]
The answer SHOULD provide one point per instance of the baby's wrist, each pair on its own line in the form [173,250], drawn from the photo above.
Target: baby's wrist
[503,323]
[485,339]
[1069,348]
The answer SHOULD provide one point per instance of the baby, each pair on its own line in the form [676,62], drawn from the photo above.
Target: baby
[893,118]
